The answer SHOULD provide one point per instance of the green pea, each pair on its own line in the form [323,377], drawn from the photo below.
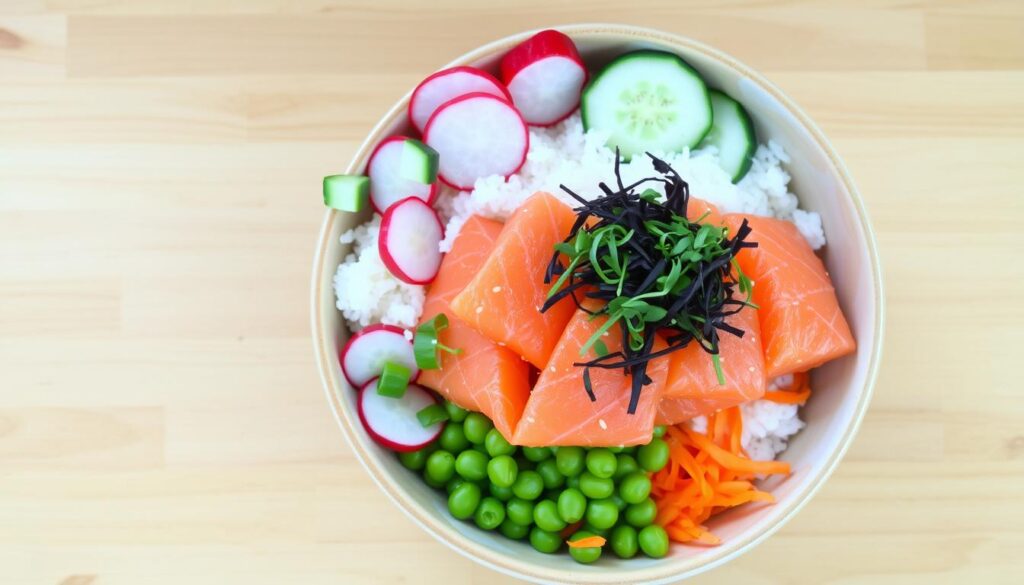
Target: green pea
[519,511]
[653,541]
[548,471]
[502,493]
[544,541]
[476,426]
[630,451]
[528,486]
[570,460]
[617,449]
[453,438]
[496,444]
[545,516]
[601,462]
[440,466]
[653,456]
[456,413]
[635,487]
[602,514]
[502,471]
[641,514]
[619,502]
[624,465]
[659,431]
[596,488]
[463,500]
[427,479]
[453,483]
[471,465]
[584,554]
[623,541]
[513,530]
[489,514]
[573,482]
[414,460]
[571,505]
[536,454]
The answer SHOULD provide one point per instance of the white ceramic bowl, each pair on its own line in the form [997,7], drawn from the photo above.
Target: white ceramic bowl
[842,388]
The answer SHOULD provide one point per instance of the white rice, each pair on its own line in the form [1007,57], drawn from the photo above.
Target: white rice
[366,291]
[565,155]
[767,425]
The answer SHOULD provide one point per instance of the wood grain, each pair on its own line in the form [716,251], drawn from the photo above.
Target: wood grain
[160,416]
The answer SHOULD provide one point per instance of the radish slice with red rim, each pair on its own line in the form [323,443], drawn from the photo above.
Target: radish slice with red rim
[446,85]
[409,241]
[363,357]
[477,135]
[392,422]
[387,185]
[545,76]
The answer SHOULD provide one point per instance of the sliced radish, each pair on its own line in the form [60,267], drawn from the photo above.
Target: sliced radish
[446,85]
[364,355]
[386,182]
[477,135]
[410,239]
[392,422]
[545,76]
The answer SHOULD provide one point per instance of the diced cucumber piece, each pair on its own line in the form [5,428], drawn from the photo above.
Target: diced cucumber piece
[733,134]
[346,192]
[648,101]
[419,162]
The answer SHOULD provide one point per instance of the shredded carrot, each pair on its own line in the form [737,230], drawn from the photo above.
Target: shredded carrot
[709,472]
[587,542]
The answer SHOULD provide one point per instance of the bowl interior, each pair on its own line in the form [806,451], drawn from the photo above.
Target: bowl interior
[842,388]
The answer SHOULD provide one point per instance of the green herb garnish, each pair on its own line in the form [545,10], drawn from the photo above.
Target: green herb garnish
[425,344]
[650,270]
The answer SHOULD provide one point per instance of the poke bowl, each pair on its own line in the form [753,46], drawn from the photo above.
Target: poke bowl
[597,305]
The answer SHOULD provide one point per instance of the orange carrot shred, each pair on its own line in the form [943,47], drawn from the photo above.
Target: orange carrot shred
[587,542]
[710,472]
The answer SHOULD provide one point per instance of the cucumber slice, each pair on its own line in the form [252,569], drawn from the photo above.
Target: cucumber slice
[346,192]
[733,135]
[648,101]
[419,162]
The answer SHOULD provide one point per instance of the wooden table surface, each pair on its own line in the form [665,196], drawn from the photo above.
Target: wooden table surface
[161,419]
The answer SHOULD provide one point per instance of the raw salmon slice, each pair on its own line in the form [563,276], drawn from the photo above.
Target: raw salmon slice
[698,208]
[559,411]
[504,298]
[485,377]
[693,389]
[802,325]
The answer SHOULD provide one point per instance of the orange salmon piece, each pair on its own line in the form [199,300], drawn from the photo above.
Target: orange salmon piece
[698,208]
[559,411]
[503,300]
[485,377]
[693,388]
[802,325]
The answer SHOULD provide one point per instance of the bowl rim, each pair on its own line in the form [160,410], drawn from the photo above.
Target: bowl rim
[658,573]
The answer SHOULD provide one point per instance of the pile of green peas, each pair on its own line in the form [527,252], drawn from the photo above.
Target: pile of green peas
[537,492]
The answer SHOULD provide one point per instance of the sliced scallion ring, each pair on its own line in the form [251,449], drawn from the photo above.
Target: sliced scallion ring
[431,415]
[425,344]
[393,380]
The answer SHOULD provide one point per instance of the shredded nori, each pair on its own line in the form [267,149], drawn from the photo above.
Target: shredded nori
[637,259]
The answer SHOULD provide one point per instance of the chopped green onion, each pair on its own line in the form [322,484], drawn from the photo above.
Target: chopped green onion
[425,344]
[346,192]
[431,415]
[393,380]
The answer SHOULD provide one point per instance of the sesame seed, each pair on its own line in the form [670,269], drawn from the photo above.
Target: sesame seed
[751,368]
[553,369]
[530,419]
[501,344]
[602,424]
[496,289]
[479,309]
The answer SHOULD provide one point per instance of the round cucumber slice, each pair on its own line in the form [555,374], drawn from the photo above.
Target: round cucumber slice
[732,134]
[648,101]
